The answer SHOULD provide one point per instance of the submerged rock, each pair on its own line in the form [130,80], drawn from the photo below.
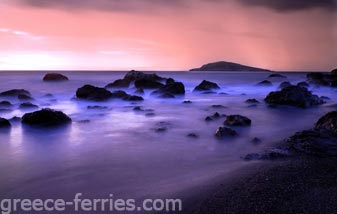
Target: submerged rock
[120,83]
[46,117]
[215,116]
[206,86]
[237,120]
[294,96]
[193,135]
[5,104]
[4,123]
[225,132]
[93,93]
[55,77]
[265,83]
[252,101]
[97,107]
[28,105]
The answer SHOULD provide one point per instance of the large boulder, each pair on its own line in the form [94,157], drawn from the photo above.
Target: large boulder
[294,96]
[206,86]
[237,120]
[46,117]
[319,78]
[4,123]
[137,75]
[120,83]
[93,93]
[328,124]
[222,132]
[148,84]
[170,89]
[55,77]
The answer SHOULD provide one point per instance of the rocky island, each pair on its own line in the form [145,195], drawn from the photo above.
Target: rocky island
[228,66]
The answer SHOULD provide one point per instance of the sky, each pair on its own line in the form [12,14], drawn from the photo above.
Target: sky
[281,35]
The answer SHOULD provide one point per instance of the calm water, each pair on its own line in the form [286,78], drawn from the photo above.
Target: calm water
[119,152]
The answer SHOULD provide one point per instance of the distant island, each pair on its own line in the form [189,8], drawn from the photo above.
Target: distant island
[227,66]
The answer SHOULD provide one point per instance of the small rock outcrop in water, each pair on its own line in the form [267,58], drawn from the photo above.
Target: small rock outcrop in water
[120,83]
[237,120]
[285,85]
[171,89]
[265,83]
[227,66]
[5,104]
[225,132]
[124,96]
[215,116]
[294,96]
[93,93]
[254,101]
[4,123]
[16,93]
[303,84]
[55,77]
[276,76]
[206,86]
[325,79]
[137,75]
[46,117]
[28,105]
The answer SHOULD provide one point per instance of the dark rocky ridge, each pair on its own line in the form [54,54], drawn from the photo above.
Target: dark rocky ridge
[227,66]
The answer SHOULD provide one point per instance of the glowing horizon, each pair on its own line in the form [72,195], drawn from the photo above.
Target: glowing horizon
[180,35]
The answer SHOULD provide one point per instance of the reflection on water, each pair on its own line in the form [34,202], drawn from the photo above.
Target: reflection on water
[117,150]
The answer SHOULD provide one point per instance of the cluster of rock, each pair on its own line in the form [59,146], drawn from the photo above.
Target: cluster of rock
[20,94]
[294,96]
[320,141]
[232,120]
[325,79]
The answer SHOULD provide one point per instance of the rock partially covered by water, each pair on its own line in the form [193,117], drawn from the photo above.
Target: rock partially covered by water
[4,123]
[120,83]
[5,104]
[276,76]
[93,93]
[285,85]
[254,101]
[148,84]
[16,93]
[237,120]
[265,83]
[124,96]
[28,105]
[46,117]
[170,89]
[137,75]
[328,124]
[206,86]
[321,78]
[55,77]
[303,84]
[225,132]
[294,96]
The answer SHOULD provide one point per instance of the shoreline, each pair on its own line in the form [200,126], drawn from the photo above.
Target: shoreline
[299,185]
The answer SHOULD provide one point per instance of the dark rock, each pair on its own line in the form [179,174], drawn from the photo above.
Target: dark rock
[166,95]
[148,84]
[328,123]
[161,129]
[139,91]
[294,96]
[325,98]
[133,98]
[187,102]
[28,105]
[46,117]
[206,86]
[138,108]
[272,154]
[120,83]
[15,93]
[83,121]
[318,78]
[48,95]
[55,77]
[169,81]
[93,93]
[334,72]
[127,97]
[215,116]
[150,114]
[4,123]
[285,85]
[256,140]
[97,107]
[5,104]
[237,120]
[208,92]
[303,84]
[193,135]
[252,101]
[225,132]
[24,97]
[265,83]
[137,75]
[175,88]
[218,106]
[277,76]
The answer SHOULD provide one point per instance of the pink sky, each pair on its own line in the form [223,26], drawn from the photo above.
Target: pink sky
[181,35]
